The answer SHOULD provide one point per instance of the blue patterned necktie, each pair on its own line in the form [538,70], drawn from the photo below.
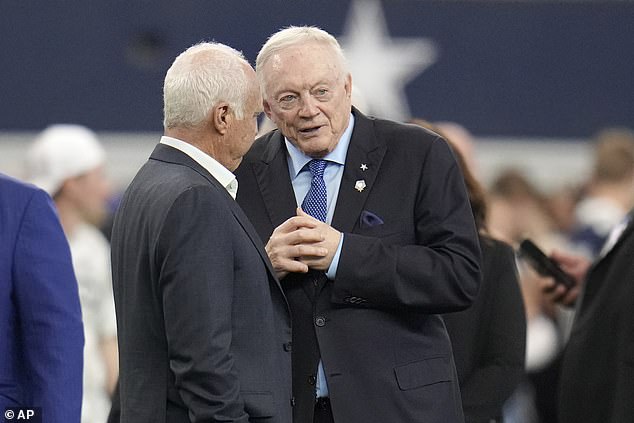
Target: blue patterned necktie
[315,203]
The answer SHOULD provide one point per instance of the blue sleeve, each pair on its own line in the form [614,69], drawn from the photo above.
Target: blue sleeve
[47,301]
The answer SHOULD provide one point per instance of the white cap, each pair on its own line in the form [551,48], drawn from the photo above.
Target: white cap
[61,152]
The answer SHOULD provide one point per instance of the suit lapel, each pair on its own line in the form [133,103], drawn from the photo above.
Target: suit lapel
[365,149]
[255,239]
[274,181]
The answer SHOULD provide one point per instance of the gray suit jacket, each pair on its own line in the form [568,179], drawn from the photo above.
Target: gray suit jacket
[203,324]
[410,251]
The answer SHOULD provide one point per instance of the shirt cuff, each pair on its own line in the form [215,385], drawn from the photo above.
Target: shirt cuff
[332,270]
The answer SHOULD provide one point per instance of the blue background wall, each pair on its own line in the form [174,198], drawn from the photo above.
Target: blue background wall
[547,69]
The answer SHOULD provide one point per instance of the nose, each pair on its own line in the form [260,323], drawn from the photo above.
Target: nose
[308,106]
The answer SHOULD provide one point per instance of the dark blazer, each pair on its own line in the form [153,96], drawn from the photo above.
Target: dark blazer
[489,338]
[410,251]
[41,333]
[597,375]
[203,325]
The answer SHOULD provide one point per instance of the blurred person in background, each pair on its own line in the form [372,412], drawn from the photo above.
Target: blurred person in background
[597,372]
[488,338]
[609,194]
[519,210]
[41,335]
[67,161]
[463,142]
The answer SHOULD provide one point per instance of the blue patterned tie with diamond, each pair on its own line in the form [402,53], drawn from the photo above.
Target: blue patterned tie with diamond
[316,201]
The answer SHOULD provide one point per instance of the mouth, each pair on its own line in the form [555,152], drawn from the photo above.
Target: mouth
[309,131]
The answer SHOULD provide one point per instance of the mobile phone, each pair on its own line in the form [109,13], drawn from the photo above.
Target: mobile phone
[543,264]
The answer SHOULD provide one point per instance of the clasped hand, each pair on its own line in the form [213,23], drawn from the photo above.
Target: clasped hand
[302,243]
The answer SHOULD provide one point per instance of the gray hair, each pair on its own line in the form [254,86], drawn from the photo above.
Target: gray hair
[199,78]
[297,35]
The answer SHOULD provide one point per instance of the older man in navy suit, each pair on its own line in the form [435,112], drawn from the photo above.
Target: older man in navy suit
[41,333]
[389,243]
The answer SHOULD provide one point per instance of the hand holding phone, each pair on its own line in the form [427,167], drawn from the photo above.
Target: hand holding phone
[543,264]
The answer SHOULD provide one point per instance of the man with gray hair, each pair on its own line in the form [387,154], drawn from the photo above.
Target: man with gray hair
[383,242]
[204,328]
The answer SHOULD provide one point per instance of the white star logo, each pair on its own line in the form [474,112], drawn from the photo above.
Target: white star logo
[381,66]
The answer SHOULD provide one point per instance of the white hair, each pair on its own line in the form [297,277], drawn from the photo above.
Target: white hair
[297,35]
[199,78]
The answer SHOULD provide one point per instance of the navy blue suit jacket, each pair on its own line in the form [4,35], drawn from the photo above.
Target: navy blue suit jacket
[410,251]
[41,333]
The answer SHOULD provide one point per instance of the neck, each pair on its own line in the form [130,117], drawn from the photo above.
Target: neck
[200,139]
[69,216]
[207,141]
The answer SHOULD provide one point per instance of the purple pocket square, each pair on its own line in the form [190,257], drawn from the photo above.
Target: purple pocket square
[369,219]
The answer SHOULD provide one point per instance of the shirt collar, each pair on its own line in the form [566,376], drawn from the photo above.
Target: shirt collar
[298,159]
[218,171]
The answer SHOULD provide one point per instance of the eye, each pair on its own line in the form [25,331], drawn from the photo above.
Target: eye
[287,98]
[321,92]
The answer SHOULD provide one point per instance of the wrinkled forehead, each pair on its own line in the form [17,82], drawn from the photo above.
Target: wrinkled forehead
[301,65]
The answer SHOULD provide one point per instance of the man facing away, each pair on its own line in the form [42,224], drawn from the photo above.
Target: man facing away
[204,328]
[391,244]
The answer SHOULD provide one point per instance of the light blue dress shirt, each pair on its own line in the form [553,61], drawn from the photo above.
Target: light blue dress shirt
[301,178]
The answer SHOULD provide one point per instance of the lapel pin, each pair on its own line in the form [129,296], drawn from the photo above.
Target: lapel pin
[364,167]
[359,185]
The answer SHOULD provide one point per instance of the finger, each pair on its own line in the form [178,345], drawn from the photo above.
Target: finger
[286,264]
[295,266]
[304,236]
[305,221]
[549,288]
[301,213]
[310,252]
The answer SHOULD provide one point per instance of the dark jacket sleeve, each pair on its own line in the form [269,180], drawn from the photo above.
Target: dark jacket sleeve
[431,263]
[490,338]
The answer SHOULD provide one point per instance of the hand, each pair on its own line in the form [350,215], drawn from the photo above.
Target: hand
[295,238]
[330,241]
[575,266]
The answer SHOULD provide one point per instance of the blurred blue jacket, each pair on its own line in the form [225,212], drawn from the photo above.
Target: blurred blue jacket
[41,332]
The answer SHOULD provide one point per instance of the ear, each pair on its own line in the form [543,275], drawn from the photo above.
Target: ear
[348,85]
[221,117]
[267,109]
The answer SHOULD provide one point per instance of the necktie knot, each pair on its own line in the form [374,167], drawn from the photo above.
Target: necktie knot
[317,167]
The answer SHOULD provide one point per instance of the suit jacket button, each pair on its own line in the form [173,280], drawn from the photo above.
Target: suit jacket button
[320,321]
[288,346]
[312,380]
[292,401]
